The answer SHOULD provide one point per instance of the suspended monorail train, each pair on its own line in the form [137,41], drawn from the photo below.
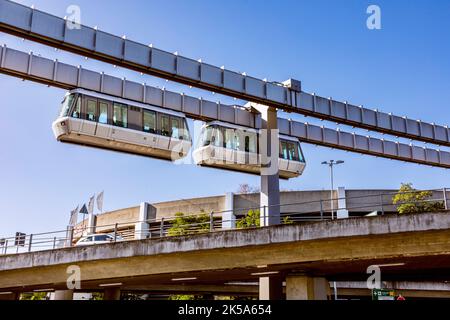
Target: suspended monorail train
[236,148]
[103,121]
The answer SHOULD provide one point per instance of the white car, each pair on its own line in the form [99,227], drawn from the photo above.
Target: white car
[97,239]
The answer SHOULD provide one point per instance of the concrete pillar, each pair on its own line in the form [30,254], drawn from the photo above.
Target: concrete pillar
[342,211]
[63,295]
[303,287]
[91,224]
[111,294]
[269,150]
[228,217]
[270,288]
[9,296]
[141,229]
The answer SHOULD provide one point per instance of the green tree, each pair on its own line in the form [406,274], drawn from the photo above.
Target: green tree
[190,224]
[287,220]
[250,220]
[410,200]
[185,297]
[96,296]
[34,296]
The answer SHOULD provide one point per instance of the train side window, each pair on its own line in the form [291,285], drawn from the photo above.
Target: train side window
[149,121]
[77,109]
[291,150]
[231,139]
[283,151]
[66,104]
[91,110]
[301,157]
[175,124]
[103,113]
[120,116]
[247,144]
[165,125]
[207,136]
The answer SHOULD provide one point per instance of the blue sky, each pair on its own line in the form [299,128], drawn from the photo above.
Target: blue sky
[403,68]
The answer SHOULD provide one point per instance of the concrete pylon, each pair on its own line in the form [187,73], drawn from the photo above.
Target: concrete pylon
[111,294]
[91,223]
[269,150]
[63,295]
[304,287]
[141,228]
[270,288]
[228,217]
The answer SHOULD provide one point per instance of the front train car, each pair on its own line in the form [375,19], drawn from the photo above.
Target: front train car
[102,121]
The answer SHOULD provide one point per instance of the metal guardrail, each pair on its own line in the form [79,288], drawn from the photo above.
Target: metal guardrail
[48,29]
[58,74]
[318,210]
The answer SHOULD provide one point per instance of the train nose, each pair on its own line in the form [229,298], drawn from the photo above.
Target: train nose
[60,127]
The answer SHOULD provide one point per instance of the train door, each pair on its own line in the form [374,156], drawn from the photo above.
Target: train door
[89,116]
[104,119]
[164,130]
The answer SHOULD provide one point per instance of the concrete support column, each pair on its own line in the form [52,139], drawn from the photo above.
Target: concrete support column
[270,288]
[269,150]
[111,294]
[91,223]
[228,217]
[141,228]
[303,287]
[63,295]
[342,211]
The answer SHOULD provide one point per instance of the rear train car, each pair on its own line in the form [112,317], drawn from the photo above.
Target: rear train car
[236,148]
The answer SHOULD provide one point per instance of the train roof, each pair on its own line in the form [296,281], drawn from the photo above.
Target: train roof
[127,102]
[234,126]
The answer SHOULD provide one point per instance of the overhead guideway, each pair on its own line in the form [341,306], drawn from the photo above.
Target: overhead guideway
[42,27]
[58,74]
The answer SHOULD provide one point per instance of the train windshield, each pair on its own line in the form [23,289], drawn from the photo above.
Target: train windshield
[290,150]
[66,104]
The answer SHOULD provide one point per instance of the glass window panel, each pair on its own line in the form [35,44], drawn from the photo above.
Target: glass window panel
[165,126]
[207,136]
[103,112]
[300,153]
[120,115]
[77,109]
[283,151]
[67,103]
[91,110]
[149,121]
[250,142]
[230,139]
[176,127]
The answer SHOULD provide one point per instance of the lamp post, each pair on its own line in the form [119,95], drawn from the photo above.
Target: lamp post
[331,164]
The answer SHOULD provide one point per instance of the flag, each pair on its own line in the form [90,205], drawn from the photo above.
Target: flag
[83,209]
[100,201]
[91,204]
[73,216]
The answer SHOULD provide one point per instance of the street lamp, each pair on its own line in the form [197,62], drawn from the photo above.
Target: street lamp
[331,164]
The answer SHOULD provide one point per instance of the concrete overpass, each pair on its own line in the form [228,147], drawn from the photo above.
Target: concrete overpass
[306,256]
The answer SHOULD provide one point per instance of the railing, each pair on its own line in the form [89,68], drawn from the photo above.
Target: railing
[317,210]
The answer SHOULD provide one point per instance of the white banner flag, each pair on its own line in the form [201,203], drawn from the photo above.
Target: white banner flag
[100,201]
[73,216]
[91,204]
